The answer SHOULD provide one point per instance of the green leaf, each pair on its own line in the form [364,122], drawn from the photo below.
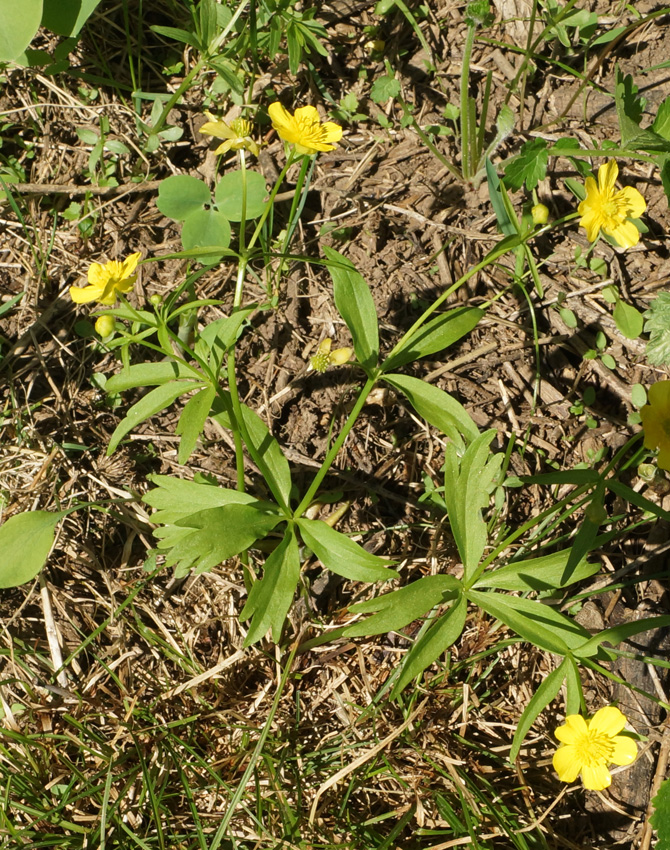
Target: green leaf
[354,303]
[341,555]
[657,325]
[206,538]
[206,229]
[543,573]
[149,405]
[229,193]
[532,621]
[637,499]
[219,336]
[181,195]
[430,646]
[384,88]
[270,458]
[529,166]
[496,189]
[25,542]
[148,375]
[67,18]
[173,499]
[177,35]
[660,820]
[661,123]
[192,421]
[617,634]
[437,407]
[628,320]
[270,598]
[439,333]
[19,23]
[399,608]
[467,485]
[539,701]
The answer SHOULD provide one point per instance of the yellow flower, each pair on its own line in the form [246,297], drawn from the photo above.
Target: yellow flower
[105,325]
[610,211]
[304,129]
[324,357]
[656,422]
[106,281]
[237,134]
[589,746]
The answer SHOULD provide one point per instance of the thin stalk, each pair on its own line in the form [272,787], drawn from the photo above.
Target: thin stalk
[299,198]
[337,445]
[258,750]
[273,193]
[243,220]
[465,98]
[232,385]
[184,86]
[428,143]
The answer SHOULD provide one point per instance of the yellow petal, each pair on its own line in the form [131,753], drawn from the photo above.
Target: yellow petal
[307,115]
[663,459]
[625,750]
[331,132]
[575,726]
[567,763]
[130,264]
[224,147]
[591,221]
[281,118]
[84,295]
[607,175]
[217,128]
[608,721]
[659,394]
[634,200]
[98,275]
[626,234]
[596,777]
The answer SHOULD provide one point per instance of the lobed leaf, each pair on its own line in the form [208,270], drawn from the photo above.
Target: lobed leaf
[173,499]
[398,608]
[149,375]
[192,421]
[430,646]
[543,573]
[270,598]
[341,555]
[539,701]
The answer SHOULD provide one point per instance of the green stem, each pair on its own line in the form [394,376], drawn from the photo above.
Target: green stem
[299,198]
[273,193]
[465,100]
[185,84]
[427,142]
[241,789]
[232,385]
[243,220]
[337,445]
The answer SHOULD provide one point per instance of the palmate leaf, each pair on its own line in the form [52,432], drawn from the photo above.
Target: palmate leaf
[657,325]
[269,456]
[341,555]
[206,538]
[529,166]
[149,375]
[271,596]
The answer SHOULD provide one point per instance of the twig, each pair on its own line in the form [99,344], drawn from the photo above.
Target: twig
[52,634]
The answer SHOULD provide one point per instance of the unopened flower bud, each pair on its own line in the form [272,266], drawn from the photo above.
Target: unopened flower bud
[155,300]
[321,360]
[540,214]
[105,325]
[340,356]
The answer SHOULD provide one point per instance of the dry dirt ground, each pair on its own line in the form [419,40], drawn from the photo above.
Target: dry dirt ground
[411,229]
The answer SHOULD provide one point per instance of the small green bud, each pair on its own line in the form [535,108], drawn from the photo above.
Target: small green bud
[540,214]
[105,325]
[155,300]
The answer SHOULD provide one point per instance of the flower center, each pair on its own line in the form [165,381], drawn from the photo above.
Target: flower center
[612,209]
[595,748]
